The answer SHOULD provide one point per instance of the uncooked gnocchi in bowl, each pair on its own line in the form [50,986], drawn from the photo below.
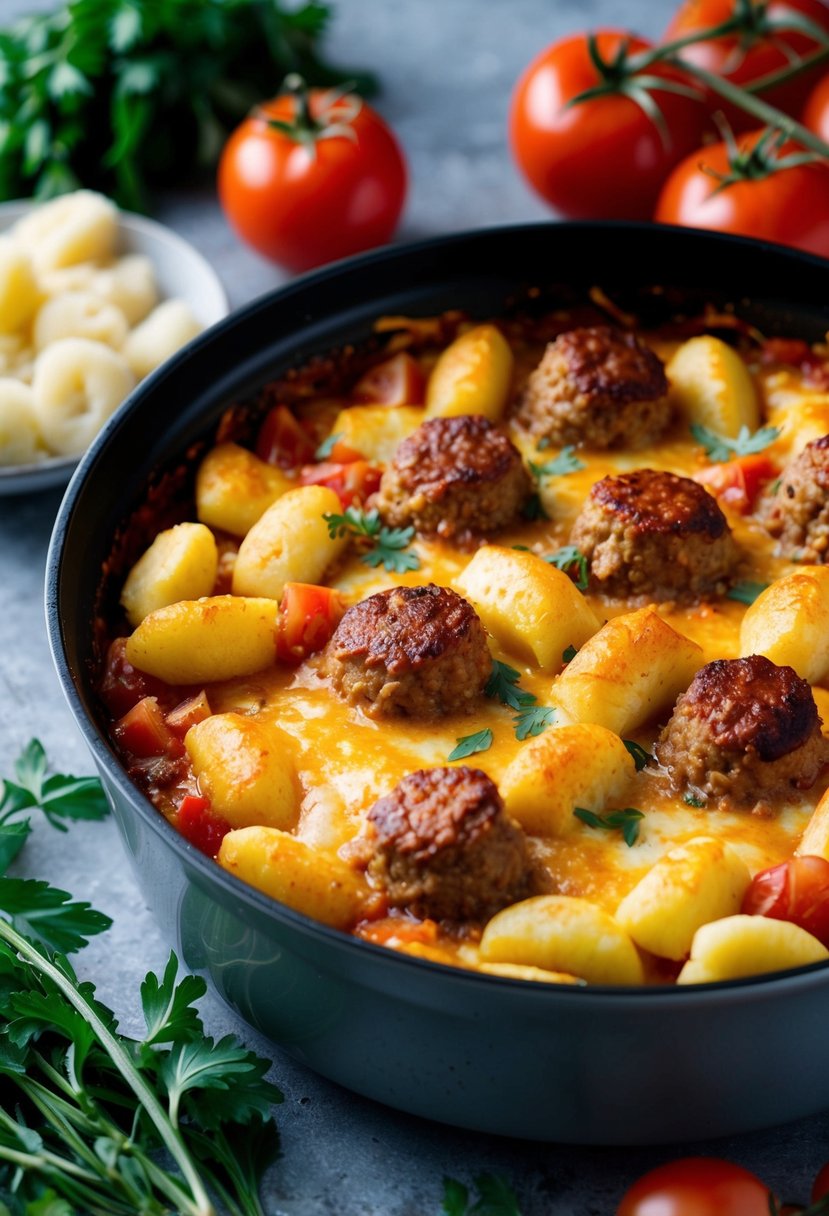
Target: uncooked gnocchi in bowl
[81,322]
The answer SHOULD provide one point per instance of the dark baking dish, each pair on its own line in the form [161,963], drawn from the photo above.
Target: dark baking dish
[596,1065]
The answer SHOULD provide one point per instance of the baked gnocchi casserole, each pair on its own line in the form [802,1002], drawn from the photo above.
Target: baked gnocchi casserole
[504,644]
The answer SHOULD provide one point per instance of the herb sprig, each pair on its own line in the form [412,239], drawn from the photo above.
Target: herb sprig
[494,1197]
[531,719]
[470,745]
[626,821]
[641,756]
[560,466]
[719,448]
[570,560]
[746,591]
[388,547]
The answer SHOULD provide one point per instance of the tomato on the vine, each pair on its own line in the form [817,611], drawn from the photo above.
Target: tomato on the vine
[755,189]
[744,57]
[697,1186]
[815,114]
[820,1186]
[796,890]
[605,156]
[312,176]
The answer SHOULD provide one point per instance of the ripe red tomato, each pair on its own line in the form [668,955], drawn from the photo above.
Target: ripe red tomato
[396,381]
[199,824]
[353,481]
[796,890]
[821,1184]
[308,616]
[282,441]
[328,182]
[742,60]
[738,482]
[603,157]
[816,111]
[789,206]
[697,1186]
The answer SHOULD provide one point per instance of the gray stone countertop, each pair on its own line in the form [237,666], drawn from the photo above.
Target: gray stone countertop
[447,67]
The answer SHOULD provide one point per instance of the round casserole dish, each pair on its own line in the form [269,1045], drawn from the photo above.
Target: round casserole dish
[595,1065]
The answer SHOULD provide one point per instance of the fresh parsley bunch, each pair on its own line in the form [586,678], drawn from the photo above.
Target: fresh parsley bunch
[122,94]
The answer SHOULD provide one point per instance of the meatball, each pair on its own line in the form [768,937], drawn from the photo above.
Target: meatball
[599,387]
[798,510]
[746,729]
[653,534]
[457,478]
[412,651]
[443,846]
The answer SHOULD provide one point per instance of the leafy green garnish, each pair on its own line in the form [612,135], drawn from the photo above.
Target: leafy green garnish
[719,448]
[626,821]
[468,745]
[494,1197]
[569,559]
[641,757]
[327,446]
[503,684]
[388,546]
[746,591]
[533,509]
[566,462]
[569,654]
[533,720]
[693,800]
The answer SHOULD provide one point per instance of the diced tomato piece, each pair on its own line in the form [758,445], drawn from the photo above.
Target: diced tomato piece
[308,616]
[738,482]
[123,685]
[398,929]
[143,731]
[282,440]
[352,482]
[796,890]
[397,381]
[341,453]
[201,825]
[189,712]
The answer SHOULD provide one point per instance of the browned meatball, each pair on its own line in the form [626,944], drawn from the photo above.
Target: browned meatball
[443,846]
[600,387]
[653,534]
[412,651]
[745,728]
[798,510]
[457,478]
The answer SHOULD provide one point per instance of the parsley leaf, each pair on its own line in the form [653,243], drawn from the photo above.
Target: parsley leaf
[626,821]
[533,509]
[388,546]
[325,449]
[503,684]
[720,448]
[569,654]
[568,559]
[494,1198]
[566,462]
[533,720]
[641,757]
[746,591]
[49,915]
[693,800]
[168,1011]
[468,745]
[59,797]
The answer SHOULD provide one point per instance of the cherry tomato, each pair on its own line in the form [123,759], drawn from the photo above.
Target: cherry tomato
[308,616]
[144,732]
[789,206]
[738,482]
[312,176]
[353,481]
[602,157]
[816,111]
[201,825]
[821,1184]
[282,441]
[796,890]
[397,381]
[743,58]
[696,1186]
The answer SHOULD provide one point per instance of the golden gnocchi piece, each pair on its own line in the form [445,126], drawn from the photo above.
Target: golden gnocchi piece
[19,291]
[375,431]
[129,283]
[180,564]
[700,881]
[568,766]
[200,641]
[20,441]
[289,543]
[739,946]
[713,387]
[310,881]
[514,971]
[472,376]
[234,488]
[246,769]
[169,326]
[635,666]
[533,609]
[789,623]
[79,314]
[563,933]
[77,385]
[77,227]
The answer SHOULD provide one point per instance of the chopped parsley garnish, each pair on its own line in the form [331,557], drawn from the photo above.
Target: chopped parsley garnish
[530,718]
[692,800]
[746,592]
[468,745]
[389,547]
[533,509]
[569,654]
[641,757]
[774,486]
[327,446]
[566,462]
[494,1197]
[569,559]
[626,821]
[533,720]
[719,448]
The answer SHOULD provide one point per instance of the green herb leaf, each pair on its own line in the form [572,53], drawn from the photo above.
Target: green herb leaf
[168,1006]
[503,685]
[49,915]
[227,1066]
[569,654]
[568,559]
[641,757]
[533,720]
[693,800]
[720,448]
[627,821]
[325,449]
[746,591]
[493,1197]
[66,81]
[468,745]
[533,509]
[58,796]
[389,546]
[566,462]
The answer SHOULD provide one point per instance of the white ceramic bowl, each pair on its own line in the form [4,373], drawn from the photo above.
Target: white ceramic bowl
[180,271]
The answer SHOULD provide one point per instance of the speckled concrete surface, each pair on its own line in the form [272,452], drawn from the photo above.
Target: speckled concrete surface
[447,67]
